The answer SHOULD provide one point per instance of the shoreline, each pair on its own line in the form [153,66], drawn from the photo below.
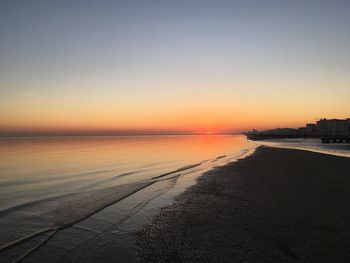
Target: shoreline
[342,150]
[114,223]
[276,205]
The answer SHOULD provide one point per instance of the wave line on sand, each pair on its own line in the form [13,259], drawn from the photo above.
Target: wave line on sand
[178,170]
[68,219]
[71,211]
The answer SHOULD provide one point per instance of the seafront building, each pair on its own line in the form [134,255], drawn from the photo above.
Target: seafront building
[321,127]
[333,126]
[327,126]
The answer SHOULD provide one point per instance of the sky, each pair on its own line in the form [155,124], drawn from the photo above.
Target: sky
[170,66]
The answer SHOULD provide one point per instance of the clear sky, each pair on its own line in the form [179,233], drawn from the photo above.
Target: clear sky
[178,65]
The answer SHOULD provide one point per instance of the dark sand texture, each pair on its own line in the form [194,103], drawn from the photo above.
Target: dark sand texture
[278,205]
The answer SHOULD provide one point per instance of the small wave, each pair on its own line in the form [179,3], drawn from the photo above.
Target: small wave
[57,213]
[111,179]
[53,198]
[219,157]
[31,203]
[154,164]
[178,170]
[56,178]
[73,177]
[9,253]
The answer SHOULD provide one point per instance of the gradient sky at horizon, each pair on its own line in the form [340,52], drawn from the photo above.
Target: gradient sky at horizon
[172,65]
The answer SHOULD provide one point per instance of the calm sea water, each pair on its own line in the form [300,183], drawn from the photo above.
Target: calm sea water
[33,169]
[50,184]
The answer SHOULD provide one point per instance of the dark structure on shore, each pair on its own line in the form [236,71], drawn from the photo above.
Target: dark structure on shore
[329,131]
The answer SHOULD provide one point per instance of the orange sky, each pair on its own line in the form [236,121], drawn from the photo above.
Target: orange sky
[171,67]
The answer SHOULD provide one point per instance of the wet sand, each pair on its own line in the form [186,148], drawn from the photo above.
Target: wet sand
[277,205]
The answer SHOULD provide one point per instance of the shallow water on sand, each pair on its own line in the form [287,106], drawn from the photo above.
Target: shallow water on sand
[71,189]
[313,145]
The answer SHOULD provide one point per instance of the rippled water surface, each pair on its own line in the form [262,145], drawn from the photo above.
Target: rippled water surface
[51,185]
[37,168]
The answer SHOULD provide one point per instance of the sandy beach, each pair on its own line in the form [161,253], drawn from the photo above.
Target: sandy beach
[277,205]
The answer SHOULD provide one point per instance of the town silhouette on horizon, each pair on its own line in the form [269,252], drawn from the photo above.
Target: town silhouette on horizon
[329,130]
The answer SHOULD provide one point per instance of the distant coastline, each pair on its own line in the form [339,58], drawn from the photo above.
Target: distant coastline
[328,130]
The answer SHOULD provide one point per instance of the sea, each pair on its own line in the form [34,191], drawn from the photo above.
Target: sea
[82,198]
[59,195]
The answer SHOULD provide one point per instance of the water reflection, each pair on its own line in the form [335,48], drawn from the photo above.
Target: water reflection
[33,168]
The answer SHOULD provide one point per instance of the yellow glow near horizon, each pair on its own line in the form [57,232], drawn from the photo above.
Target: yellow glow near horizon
[201,115]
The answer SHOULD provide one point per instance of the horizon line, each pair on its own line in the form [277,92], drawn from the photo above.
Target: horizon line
[110,134]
